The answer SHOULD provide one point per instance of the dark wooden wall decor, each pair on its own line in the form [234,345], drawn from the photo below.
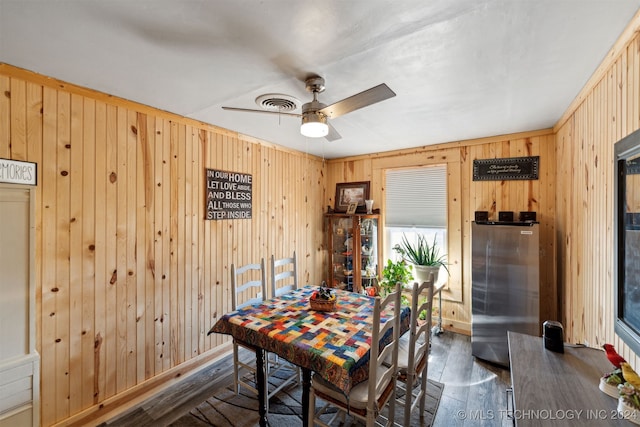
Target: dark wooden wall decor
[506,169]
[228,195]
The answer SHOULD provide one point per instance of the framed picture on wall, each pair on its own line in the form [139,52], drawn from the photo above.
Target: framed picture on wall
[351,192]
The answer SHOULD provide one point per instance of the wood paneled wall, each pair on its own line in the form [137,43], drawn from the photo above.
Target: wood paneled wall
[130,277]
[607,109]
[467,196]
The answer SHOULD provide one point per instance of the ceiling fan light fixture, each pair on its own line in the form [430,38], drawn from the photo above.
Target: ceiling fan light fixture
[314,125]
[315,114]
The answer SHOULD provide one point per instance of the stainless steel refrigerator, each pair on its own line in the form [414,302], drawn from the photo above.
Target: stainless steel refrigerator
[505,288]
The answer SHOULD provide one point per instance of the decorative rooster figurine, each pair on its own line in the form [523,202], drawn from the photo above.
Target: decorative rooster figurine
[613,356]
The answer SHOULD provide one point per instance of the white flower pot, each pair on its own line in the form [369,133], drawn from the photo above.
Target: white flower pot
[421,273]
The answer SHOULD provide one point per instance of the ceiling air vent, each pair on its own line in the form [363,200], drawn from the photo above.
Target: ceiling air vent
[278,102]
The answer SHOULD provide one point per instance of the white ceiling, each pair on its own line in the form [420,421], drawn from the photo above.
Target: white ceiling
[461,69]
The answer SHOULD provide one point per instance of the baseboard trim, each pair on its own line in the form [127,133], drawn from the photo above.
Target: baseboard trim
[456,326]
[132,397]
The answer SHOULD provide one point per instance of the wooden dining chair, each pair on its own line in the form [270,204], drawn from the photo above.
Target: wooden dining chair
[284,279]
[284,275]
[248,287]
[367,399]
[413,352]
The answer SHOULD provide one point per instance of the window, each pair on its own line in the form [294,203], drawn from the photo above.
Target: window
[416,203]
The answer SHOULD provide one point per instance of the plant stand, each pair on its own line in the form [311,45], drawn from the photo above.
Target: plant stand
[437,330]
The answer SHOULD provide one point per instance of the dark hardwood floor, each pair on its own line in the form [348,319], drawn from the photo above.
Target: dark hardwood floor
[474,392]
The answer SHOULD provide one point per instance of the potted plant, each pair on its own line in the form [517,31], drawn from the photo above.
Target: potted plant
[394,272]
[424,256]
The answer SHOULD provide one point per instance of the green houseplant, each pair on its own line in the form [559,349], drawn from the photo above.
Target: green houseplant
[425,256]
[394,272]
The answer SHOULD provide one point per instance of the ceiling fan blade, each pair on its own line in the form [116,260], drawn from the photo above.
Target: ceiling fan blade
[333,134]
[250,110]
[359,100]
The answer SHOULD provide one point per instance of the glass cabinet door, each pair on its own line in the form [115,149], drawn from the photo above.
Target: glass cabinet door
[368,251]
[342,252]
[353,251]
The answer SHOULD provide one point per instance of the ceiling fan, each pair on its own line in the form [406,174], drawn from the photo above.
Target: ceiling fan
[315,114]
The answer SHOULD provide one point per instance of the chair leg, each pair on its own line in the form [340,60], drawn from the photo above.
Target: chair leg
[391,405]
[312,409]
[408,399]
[371,419]
[423,398]
[236,384]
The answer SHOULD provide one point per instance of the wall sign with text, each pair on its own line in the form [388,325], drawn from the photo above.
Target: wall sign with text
[18,172]
[506,169]
[228,195]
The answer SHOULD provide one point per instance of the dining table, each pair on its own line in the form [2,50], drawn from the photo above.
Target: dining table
[333,344]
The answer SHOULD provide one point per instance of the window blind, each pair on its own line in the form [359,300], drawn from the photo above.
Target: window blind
[416,197]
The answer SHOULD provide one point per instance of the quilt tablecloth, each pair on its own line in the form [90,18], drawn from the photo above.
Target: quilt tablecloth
[335,345]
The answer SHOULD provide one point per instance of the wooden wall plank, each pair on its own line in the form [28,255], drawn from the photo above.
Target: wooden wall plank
[62,270]
[165,235]
[34,153]
[188,243]
[181,267]
[455,223]
[5,116]
[130,278]
[155,135]
[76,288]
[207,286]
[199,243]
[48,262]
[18,118]
[112,242]
[146,204]
[121,252]
[174,239]
[201,318]
[88,282]
[138,136]
[100,255]
[252,165]
[191,241]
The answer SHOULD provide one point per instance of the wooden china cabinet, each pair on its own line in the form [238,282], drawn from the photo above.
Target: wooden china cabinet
[354,243]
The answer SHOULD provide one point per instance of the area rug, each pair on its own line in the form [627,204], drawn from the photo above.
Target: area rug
[226,409]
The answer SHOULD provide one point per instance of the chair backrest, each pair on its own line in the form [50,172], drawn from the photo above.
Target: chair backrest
[243,281]
[420,332]
[392,303]
[284,275]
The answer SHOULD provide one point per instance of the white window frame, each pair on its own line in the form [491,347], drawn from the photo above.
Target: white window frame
[424,189]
